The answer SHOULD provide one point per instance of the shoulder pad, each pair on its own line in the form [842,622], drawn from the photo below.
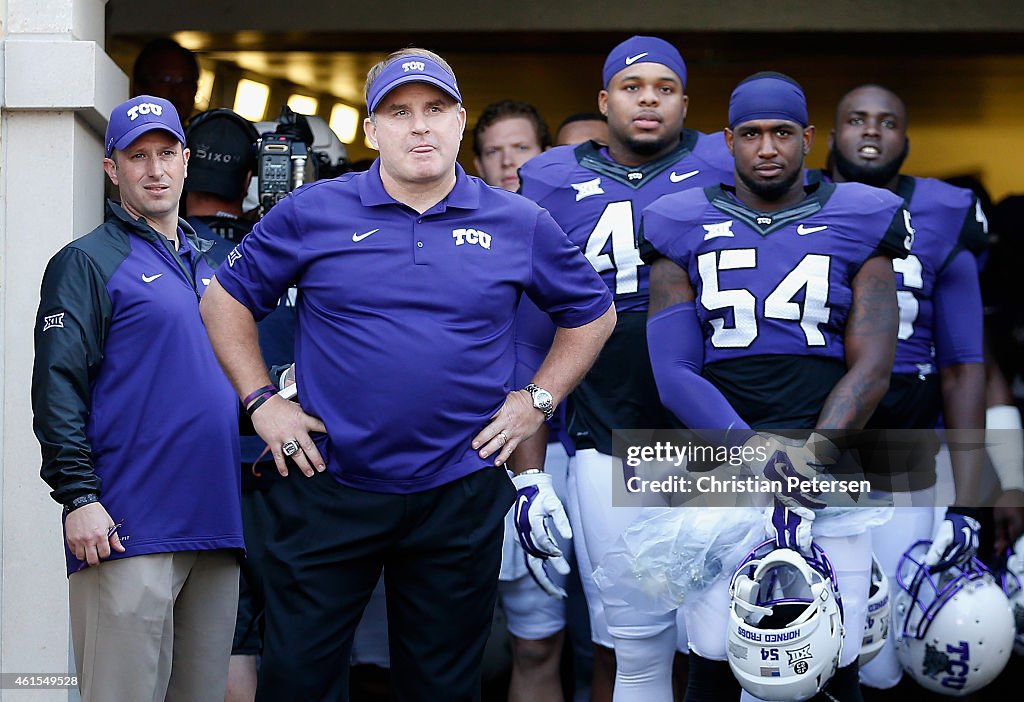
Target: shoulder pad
[960,207]
[547,171]
[712,150]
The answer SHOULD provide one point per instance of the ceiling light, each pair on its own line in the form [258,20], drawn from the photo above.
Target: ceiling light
[251,99]
[345,122]
[303,104]
[204,89]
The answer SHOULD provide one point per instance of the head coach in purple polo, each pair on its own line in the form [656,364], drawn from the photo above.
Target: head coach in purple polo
[409,276]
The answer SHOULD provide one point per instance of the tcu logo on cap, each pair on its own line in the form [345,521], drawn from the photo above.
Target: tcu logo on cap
[145,108]
[413,66]
[471,236]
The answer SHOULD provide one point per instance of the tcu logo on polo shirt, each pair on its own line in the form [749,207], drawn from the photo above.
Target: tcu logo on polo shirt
[413,66]
[145,108]
[471,236]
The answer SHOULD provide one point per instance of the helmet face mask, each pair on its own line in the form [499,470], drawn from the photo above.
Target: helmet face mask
[876,625]
[785,623]
[954,629]
[1011,578]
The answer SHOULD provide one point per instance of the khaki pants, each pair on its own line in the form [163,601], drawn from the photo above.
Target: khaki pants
[155,627]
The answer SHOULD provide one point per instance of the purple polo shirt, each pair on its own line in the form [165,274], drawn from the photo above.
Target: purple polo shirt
[405,334]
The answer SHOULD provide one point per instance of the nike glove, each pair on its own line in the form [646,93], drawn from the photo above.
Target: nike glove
[794,465]
[790,527]
[536,503]
[538,571]
[955,541]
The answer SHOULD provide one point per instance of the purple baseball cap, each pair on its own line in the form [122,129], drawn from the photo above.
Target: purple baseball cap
[133,118]
[768,95]
[640,49]
[411,69]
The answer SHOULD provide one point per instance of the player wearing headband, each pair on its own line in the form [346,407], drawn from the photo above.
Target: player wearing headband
[775,304]
[596,193]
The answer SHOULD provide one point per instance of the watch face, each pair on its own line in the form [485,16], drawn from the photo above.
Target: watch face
[541,397]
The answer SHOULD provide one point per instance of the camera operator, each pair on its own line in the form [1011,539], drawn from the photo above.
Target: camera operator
[225,147]
[227,164]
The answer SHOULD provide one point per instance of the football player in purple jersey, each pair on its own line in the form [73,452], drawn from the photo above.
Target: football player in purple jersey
[596,193]
[939,366]
[773,304]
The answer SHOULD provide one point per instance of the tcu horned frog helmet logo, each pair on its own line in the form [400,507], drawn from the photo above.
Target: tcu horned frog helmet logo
[954,629]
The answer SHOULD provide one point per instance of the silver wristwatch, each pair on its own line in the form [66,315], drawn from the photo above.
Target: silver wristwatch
[542,400]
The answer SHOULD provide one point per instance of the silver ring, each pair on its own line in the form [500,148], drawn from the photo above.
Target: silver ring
[503,437]
[290,448]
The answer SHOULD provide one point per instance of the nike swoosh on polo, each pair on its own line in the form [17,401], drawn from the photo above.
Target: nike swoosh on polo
[680,177]
[150,278]
[356,236]
[804,231]
[630,60]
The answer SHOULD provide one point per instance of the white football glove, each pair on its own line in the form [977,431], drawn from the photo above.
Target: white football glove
[536,502]
[538,572]
[955,542]
[790,527]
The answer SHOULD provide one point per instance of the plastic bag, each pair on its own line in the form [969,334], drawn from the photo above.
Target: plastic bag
[670,554]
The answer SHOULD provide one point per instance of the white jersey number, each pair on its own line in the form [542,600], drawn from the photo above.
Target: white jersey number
[810,275]
[910,269]
[616,224]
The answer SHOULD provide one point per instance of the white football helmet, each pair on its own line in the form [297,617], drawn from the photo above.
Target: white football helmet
[954,629]
[1011,577]
[785,623]
[876,625]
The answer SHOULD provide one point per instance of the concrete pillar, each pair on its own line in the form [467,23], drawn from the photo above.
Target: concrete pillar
[56,88]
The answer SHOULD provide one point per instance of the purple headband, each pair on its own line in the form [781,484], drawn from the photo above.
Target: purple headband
[133,118]
[639,49]
[411,69]
[768,96]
